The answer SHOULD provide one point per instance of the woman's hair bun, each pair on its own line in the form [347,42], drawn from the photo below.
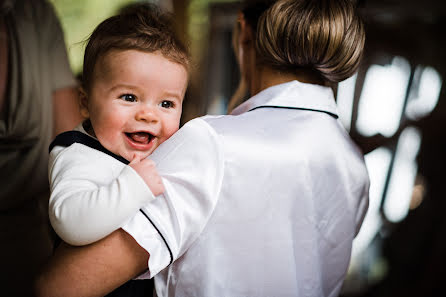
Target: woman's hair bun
[326,36]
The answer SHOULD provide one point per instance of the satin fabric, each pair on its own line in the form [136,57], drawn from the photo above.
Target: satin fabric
[263,202]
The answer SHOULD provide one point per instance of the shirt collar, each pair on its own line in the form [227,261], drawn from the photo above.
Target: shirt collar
[293,94]
[81,129]
[79,135]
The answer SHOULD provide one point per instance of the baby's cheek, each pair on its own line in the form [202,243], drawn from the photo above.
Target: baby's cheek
[172,131]
[109,142]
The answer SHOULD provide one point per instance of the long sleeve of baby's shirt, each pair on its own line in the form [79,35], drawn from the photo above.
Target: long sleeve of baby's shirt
[92,194]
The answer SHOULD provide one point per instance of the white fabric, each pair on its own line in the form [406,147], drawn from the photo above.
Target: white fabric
[259,203]
[189,199]
[92,193]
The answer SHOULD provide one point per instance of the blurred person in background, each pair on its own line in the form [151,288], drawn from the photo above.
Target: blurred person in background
[38,99]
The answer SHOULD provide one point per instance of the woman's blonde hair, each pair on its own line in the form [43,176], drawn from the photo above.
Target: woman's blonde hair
[322,36]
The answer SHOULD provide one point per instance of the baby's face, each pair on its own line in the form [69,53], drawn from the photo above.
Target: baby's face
[135,101]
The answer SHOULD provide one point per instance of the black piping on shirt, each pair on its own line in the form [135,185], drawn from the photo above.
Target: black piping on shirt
[300,108]
[66,139]
[154,226]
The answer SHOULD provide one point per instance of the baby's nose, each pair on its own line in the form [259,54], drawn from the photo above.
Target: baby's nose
[147,113]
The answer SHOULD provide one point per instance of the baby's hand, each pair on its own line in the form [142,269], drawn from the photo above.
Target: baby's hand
[147,170]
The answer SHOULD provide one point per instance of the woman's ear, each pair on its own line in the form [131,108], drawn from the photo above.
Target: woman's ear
[83,103]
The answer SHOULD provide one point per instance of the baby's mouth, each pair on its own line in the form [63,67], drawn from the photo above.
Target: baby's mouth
[140,137]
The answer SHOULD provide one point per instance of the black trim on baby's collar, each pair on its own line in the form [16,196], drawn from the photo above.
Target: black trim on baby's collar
[68,138]
[300,108]
[162,237]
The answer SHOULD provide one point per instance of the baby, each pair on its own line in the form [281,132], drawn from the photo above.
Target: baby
[135,76]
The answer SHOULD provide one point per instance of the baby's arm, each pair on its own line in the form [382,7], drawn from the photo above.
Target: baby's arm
[87,201]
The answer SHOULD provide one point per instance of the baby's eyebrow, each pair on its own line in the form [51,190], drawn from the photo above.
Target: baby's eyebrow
[124,86]
[172,94]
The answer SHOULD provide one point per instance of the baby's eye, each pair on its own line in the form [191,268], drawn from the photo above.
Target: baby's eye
[128,97]
[166,104]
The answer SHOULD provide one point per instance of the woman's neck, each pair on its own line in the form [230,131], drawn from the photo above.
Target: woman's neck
[266,77]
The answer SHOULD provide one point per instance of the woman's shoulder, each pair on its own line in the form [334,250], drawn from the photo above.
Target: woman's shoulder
[226,124]
[197,127]
[196,135]
[212,126]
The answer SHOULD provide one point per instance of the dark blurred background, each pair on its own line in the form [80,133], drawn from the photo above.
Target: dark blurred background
[394,108]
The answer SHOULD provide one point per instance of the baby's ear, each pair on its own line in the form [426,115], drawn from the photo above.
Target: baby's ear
[83,103]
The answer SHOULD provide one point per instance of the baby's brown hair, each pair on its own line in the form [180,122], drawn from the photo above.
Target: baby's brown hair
[141,26]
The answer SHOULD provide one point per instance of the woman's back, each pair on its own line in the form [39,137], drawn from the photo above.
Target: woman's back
[293,194]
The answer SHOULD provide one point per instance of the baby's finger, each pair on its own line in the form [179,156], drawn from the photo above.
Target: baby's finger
[135,159]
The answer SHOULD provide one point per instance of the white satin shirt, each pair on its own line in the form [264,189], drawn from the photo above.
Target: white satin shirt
[263,202]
